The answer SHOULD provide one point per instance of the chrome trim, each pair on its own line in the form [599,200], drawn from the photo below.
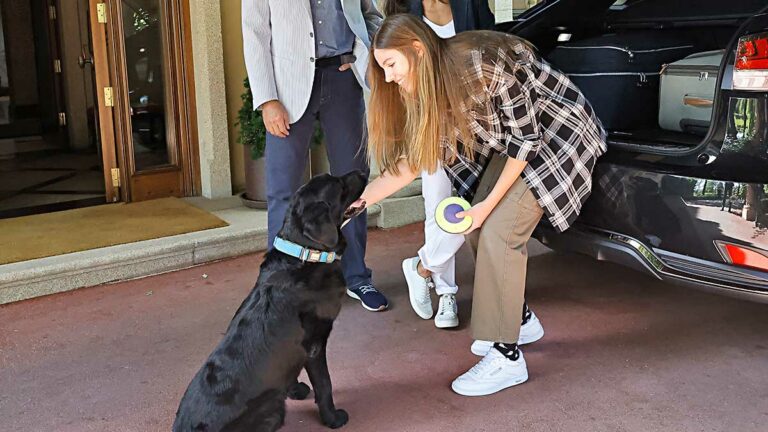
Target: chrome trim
[673,265]
[613,74]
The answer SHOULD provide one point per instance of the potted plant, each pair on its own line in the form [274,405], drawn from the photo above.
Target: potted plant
[253,136]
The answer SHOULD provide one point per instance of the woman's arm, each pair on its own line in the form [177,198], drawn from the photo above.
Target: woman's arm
[480,211]
[387,184]
[511,172]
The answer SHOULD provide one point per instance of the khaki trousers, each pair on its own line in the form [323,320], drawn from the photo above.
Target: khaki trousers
[501,258]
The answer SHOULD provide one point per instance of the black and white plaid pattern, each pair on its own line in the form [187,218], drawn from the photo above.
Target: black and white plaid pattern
[611,185]
[534,113]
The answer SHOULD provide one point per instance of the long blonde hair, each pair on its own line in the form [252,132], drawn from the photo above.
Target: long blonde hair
[414,125]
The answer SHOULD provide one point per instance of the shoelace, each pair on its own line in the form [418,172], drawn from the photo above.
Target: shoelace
[365,289]
[446,304]
[485,362]
[425,294]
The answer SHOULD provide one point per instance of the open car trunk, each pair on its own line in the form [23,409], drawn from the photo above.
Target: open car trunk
[653,70]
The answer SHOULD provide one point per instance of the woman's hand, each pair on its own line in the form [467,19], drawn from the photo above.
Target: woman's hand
[355,208]
[479,213]
[387,183]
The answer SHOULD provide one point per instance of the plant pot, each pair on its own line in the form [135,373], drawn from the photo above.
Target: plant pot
[318,159]
[255,195]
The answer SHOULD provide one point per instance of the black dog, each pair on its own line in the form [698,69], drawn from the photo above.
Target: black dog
[281,327]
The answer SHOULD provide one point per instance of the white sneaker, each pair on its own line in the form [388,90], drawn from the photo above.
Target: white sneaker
[481,347]
[529,333]
[447,312]
[491,374]
[418,289]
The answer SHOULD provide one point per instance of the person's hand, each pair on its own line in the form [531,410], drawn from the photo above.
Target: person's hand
[478,212]
[353,210]
[275,118]
[345,66]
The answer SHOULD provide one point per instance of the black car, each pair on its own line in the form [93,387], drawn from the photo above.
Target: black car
[681,192]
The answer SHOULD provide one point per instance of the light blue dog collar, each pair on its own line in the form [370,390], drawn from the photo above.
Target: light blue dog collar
[303,253]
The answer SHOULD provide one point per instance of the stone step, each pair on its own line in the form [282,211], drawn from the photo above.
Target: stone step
[246,233]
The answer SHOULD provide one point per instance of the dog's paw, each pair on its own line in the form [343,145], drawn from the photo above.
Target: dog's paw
[298,391]
[340,418]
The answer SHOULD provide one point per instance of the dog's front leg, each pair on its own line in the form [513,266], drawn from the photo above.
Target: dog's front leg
[317,369]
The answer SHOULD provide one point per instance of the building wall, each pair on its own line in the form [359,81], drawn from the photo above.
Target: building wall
[234,72]
[210,101]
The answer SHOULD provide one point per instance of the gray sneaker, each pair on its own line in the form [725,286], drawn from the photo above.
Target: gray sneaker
[418,288]
[447,312]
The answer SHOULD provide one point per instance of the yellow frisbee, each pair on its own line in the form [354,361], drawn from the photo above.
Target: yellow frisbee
[445,215]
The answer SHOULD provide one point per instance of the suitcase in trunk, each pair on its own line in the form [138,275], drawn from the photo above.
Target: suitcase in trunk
[619,75]
[687,92]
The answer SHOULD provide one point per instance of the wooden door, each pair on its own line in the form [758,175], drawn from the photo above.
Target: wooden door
[152,90]
[97,14]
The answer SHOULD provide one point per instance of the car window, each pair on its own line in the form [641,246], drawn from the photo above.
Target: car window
[523,5]
[507,10]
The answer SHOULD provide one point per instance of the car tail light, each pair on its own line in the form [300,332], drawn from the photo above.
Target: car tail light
[744,256]
[751,69]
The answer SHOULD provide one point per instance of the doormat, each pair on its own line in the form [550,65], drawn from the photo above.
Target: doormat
[44,235]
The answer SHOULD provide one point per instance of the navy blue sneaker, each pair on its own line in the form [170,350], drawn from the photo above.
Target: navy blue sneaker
[369,296]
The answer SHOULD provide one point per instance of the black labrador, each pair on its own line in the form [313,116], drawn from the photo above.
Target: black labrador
[281,327]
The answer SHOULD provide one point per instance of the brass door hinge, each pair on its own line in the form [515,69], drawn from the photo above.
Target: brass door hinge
[115,177]
[62,119]
[52,12]
[57,66]
[109,101]
[101,13]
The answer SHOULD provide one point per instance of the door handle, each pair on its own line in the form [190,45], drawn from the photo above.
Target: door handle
[82,61]
[84,58]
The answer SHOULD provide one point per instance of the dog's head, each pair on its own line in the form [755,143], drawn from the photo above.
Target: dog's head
[317,210]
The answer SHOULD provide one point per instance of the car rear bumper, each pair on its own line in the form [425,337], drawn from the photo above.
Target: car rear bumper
[697,273]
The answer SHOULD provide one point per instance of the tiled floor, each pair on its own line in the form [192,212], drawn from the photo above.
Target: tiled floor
[42,178]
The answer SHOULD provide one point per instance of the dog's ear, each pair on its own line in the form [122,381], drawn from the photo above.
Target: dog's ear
[318,225]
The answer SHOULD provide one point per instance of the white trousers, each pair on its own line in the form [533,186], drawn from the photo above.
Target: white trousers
[439,250]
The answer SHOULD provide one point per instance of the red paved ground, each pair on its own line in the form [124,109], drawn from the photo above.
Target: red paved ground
[622,352]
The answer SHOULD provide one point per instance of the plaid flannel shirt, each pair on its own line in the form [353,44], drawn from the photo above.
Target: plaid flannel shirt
[533,113]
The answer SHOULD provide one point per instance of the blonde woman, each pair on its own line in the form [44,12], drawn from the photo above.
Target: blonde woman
[515,137]
[434,267]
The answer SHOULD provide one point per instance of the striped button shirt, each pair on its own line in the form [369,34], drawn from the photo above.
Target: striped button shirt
[533,113]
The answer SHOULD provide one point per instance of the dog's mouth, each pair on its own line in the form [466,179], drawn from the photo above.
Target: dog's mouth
[354,209]
[354,185]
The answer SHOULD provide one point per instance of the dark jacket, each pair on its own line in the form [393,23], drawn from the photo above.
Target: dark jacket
[467,14]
